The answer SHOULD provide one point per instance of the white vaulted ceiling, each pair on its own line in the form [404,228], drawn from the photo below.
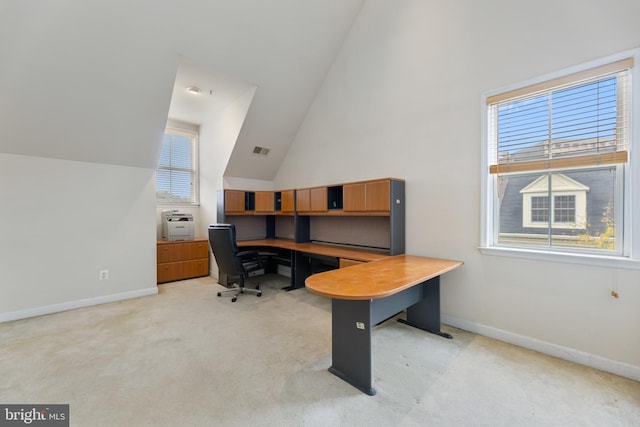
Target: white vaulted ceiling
[93,81]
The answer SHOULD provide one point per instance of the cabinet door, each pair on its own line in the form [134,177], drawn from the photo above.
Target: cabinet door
[287,198]
[303,200]
[233,201]
[319,199]
[353,197]
[265,202]
[377,195]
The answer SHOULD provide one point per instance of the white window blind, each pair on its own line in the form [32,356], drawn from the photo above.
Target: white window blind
[176,176]
[578,120]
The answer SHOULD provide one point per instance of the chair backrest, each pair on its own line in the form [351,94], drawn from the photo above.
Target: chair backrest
[222,238]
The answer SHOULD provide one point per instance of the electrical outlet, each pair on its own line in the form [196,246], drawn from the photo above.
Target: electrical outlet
[104,274]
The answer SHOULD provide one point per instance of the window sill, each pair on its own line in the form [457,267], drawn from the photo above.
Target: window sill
[571,258]
[178,205]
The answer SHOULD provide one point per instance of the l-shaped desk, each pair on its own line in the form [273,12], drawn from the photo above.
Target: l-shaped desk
[301,253]
[366,294]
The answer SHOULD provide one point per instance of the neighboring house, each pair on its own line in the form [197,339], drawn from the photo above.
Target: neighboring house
[580,200]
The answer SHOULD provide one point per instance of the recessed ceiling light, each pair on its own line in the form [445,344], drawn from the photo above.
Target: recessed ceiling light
[193,89]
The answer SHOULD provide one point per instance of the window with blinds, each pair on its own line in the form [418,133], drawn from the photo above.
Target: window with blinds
[176,176]
[558,158]
[575,121]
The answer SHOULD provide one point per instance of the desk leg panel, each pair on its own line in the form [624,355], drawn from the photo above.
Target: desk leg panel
[301,269]
[351,325]
[384,308]
[425,314]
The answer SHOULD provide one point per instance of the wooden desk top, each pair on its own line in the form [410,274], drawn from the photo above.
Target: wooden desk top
[318,249]
[378,279]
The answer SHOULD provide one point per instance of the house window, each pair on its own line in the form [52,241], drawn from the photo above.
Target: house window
[177,173]
[569,202]
[539,209]
[564,209]
[557,162]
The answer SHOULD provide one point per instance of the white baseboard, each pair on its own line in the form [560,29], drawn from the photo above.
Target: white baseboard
[71,305]
[591,360]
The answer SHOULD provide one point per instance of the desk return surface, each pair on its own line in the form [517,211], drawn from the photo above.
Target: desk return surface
[378,279]
[367,294]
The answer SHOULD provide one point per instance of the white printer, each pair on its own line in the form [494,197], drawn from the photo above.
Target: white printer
[176,225]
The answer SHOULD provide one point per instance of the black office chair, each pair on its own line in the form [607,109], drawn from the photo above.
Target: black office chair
[236,264]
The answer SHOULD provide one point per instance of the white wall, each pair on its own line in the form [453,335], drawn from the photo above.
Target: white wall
[63,222]
[403,100]
[91,82]
[217,139]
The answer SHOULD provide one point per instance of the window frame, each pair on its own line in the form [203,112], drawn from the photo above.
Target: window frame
[191,131]
[630,254]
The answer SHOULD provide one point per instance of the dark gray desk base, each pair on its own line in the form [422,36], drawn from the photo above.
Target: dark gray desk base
[352,321]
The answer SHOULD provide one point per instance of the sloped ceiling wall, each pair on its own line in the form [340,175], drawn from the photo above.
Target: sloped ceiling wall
[92,81]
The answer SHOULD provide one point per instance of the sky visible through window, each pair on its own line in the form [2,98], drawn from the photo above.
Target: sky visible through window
[582,112]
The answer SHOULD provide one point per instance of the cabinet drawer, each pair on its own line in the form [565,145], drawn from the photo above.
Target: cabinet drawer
[168,272]
[195,250]
[182,251]
[171,271]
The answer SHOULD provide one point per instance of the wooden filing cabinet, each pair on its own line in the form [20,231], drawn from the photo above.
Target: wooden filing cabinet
[182,259]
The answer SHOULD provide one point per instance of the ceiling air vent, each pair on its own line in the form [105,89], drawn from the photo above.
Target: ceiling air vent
[260,150]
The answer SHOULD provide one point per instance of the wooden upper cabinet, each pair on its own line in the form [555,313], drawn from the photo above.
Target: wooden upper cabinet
[371,196]
[265,202]
[353,197]
[377,196]
[310,200]
[234,202]
[368,198]
[319,199]
[286,201]
[303,200]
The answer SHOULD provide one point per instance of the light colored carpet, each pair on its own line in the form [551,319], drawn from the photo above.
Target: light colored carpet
[188,358]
